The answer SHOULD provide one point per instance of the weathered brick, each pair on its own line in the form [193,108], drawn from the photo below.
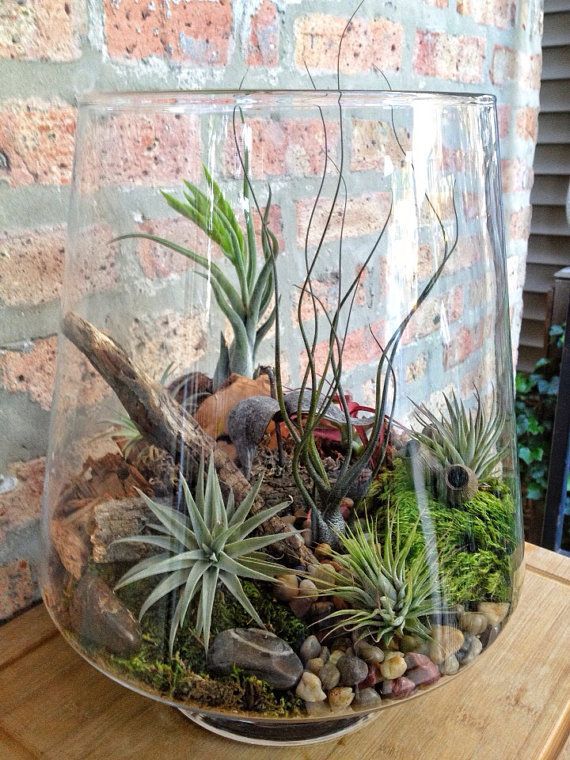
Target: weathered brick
[47,30]
[37,140]
[504,119]
[191,31]
[499,13]
[516,175]
[31,266]
[325,289]
[526,120]
[416,369]
[435,313]
[509,65]
[365,215]
[263,44]
[360,348]
[367,43]
[135,148]
[519,223]
[457,58]
[156,341]
[464,343]
[31,372]
[288,147]
[20,506]
[17,588]
[373,141]
[437,3]
[158,262]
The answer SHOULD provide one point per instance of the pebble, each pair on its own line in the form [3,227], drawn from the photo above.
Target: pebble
[450,666]
[310,648]
[335,656]
[402,687]
[495,612]
[97,615]
[323,551]
[424,675]
[488,636]
[473,622]
[308,588]
[367,698]
[314,665]
[368,652]
[325,654]
[475,649]
[416,660]
[372,678]
[352,669]
[309,688]
[394,666]
[258,652]
[329,675]
[286,587]
[446,641]
[300,606]
[409,643]
[317,709]
[324,575]
[340,698]
[320,610]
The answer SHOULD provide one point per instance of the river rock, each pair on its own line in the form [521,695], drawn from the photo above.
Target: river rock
[329,675]
[495,612]
[308,588]
[340,698]
[315,665]
[257,652]
[309,688]
[310,648]
[450,666]
[446,641]
[473,622]
[394,666]
[402,687]
[98,616]
[352,669]
[368,652]
[416,660]
[372,678]
[286,587]
[424,675]
[474,650]
[367,698]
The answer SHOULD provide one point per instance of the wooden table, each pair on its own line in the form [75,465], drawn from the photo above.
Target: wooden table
[512,704]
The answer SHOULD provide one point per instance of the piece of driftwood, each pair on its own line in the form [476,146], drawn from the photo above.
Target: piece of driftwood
[70,537]
[166,424]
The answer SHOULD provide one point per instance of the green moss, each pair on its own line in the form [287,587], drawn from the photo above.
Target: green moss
[475,542]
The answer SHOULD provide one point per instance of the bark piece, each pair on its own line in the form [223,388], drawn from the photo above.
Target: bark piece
[70,537]
[114,519]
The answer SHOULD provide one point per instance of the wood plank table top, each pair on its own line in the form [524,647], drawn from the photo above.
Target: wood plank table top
[513,703]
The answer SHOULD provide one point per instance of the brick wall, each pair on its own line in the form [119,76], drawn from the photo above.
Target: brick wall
[52,50]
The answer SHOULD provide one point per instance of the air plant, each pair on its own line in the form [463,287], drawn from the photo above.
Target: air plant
[463,444]
[247,307]
[212,545]
[386,591]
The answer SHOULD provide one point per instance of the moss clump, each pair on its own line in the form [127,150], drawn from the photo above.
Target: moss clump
[475,542]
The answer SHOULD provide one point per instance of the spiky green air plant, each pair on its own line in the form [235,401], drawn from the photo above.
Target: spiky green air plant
[387,592]
[247,307]
[209,546]
[463,437]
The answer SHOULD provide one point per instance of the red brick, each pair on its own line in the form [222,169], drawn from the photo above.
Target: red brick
[37,139]
[137,149]
[158,262]
[365,215]
[170,338]
[446,56]
[17,588]
[191,31]
[79,384]
[429,318]
[416,369]
[464,343]
[516,174]
[21,506]
[526,120]
[367,43]
[31,266]
[292,147]
[512,65]
[499,13]
[504,120]
[263,45]
[519,223]
[31,372]
[437,3]
[325,290]
[373,141]
[360,348]
[47,30]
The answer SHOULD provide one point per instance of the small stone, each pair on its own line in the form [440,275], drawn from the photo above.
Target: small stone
[324,575]
[417,660]
[367,698]
[340,698]
[352,669]
[309,688]
[317,709]
[320,610]
[97,615]
[310,648]
[393,666]
[329,675]
[342,642]
[325,654]
[446,641]
[450,666]
[495,612]
[300,606]
[424,675]
[339,603]
[258,652]
[386,688]
[372,678]
[286,587]
[475,649]
[488,636]
[308,588]
[335,656]
[323,551]
[368,652]
[473,622]
[409,643]
[402,687]
[314,665]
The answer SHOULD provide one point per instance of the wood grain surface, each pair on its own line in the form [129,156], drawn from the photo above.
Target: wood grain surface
[513,703]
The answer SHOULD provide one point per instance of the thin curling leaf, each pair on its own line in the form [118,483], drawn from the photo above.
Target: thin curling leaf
[220,548]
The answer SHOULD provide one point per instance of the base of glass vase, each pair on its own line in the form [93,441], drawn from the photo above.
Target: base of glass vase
[277,734]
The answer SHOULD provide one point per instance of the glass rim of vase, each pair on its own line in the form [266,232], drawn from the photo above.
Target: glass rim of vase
[175,100]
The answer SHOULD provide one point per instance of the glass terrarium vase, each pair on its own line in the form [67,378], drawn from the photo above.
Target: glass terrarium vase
[282,490]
